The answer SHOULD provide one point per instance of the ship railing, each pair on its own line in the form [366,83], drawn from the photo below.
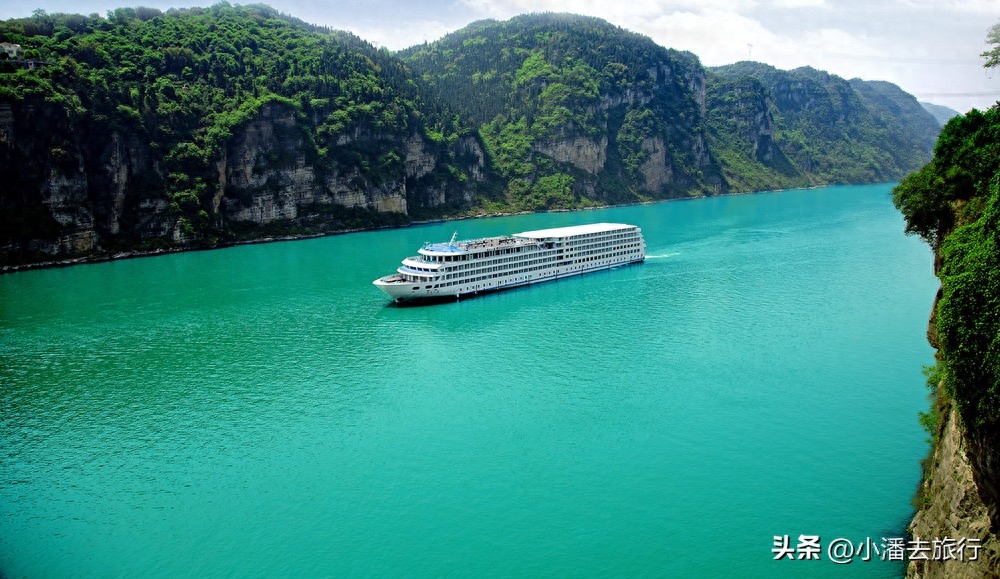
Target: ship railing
[477,244]
[410,271]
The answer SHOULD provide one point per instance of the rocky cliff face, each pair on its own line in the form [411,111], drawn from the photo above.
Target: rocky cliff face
[680,157]
[675,156]
[955,507]
[69,198]
[748,109]
[576,111]
[266,176]
[269,174]
[586,154]
[808,127]
[572,111]
[655,170]
[959,496]
[51,196]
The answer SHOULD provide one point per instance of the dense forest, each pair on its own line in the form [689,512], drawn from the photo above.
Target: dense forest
[177,88]
[187,78]
[144,130]
[572,109]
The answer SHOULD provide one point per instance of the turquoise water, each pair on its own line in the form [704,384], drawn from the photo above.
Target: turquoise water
[262,410]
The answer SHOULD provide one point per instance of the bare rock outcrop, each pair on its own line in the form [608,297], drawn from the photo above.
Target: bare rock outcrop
[954,508]
[583,153]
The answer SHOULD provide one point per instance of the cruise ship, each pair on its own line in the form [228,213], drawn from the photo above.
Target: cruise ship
[473,266]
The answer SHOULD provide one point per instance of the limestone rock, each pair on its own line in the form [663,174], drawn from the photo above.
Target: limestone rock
[584,153]
[954,509]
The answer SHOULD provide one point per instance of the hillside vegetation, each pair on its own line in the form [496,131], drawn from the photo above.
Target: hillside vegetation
[825,129]
[548,90]
[197,127]
[953,203]
[161,98]
[574,110]
[941,113]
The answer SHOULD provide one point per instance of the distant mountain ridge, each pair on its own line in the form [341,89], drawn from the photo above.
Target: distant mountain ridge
[818,127]
[656,124]
[942,113]
[199,127]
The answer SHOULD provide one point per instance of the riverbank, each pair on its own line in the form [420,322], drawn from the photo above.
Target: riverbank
[100,257]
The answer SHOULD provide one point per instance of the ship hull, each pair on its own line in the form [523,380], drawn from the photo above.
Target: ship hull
[408,292]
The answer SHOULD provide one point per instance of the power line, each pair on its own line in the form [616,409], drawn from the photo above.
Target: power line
[906,59]
[957,94]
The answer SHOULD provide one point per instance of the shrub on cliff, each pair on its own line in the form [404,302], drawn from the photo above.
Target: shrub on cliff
[968,322]
[954,204]
[966,159]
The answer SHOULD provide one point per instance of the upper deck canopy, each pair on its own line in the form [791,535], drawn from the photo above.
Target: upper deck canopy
[574,230]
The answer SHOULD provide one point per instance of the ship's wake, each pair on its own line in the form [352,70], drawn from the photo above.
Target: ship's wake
[663,256]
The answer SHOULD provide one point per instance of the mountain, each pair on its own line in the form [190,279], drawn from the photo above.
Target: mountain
[815,127]
[151,130]
[574,110]
[942,113]
[196,127]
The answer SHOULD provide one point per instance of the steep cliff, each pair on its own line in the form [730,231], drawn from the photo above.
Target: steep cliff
[109,193]
[65,191]
[574,111]
[952,506]
[270,173]
[954,204]
[199,127]
[806,126]
[743,127]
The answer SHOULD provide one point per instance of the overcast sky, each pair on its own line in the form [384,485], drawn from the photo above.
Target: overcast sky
[930,48]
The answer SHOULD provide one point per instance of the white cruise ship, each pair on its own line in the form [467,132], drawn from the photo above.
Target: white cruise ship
[457,268]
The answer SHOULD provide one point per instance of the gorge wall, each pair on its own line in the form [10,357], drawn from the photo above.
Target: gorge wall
[68,196]
[146,131]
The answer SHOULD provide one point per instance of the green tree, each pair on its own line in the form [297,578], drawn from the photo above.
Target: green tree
[992,56]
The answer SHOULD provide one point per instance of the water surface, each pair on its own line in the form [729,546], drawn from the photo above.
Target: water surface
[262,410]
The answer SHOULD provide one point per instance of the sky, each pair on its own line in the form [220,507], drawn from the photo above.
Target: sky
[930,48]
